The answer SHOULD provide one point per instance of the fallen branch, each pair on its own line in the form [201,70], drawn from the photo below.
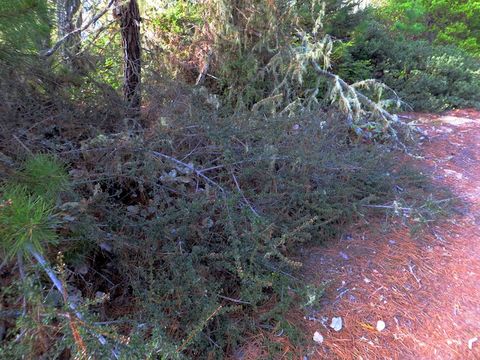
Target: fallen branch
[199,173]
[365,101]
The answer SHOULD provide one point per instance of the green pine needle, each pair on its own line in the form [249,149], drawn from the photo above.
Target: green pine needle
[26,206]
[44,176]
[25,220]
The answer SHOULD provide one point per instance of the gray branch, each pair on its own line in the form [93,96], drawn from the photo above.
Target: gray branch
[362,98]
[199,173]
[371,105]
[58,284]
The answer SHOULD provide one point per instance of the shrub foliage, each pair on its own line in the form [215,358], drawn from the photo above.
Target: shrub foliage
[177,234]
[427,77]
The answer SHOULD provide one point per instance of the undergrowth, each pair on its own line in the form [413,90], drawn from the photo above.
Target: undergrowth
[184,240]
[176,235]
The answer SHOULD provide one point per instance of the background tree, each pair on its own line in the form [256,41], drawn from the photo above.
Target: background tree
[128,14]
[69,18]
[441,21]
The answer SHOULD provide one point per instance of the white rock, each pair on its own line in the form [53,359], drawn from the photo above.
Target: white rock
[380,325]
[317,337]
[106,247]
[336,323]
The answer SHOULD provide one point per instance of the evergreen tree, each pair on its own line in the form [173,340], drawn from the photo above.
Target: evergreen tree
[25,26]
[69,18]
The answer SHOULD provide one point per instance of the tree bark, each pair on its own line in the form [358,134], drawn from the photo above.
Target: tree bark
[67,10]
[128,14]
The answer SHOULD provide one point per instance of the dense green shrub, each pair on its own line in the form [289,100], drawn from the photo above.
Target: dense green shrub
[190,247]
[202,261]
[193,264]
[454,22]
[428,77]
[446,78]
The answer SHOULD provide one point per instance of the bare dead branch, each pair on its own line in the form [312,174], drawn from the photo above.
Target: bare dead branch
[243,195]
[190,167]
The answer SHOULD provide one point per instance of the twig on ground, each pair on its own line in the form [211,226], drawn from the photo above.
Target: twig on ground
[410,267]
[23,145]
[234,300]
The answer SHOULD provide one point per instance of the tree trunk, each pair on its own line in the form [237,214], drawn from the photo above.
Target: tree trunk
[67,10]
[129,16]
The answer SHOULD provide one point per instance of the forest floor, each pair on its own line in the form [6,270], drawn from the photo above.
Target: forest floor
[424,288]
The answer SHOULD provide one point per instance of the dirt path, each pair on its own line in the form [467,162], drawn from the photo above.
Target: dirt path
[426,290]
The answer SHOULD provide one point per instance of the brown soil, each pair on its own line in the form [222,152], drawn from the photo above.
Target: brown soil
[425,288]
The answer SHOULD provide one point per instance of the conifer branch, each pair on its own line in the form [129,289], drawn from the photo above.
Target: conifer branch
[364,100]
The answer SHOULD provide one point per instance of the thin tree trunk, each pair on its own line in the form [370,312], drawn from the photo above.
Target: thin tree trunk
[129,16]
[67,10]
